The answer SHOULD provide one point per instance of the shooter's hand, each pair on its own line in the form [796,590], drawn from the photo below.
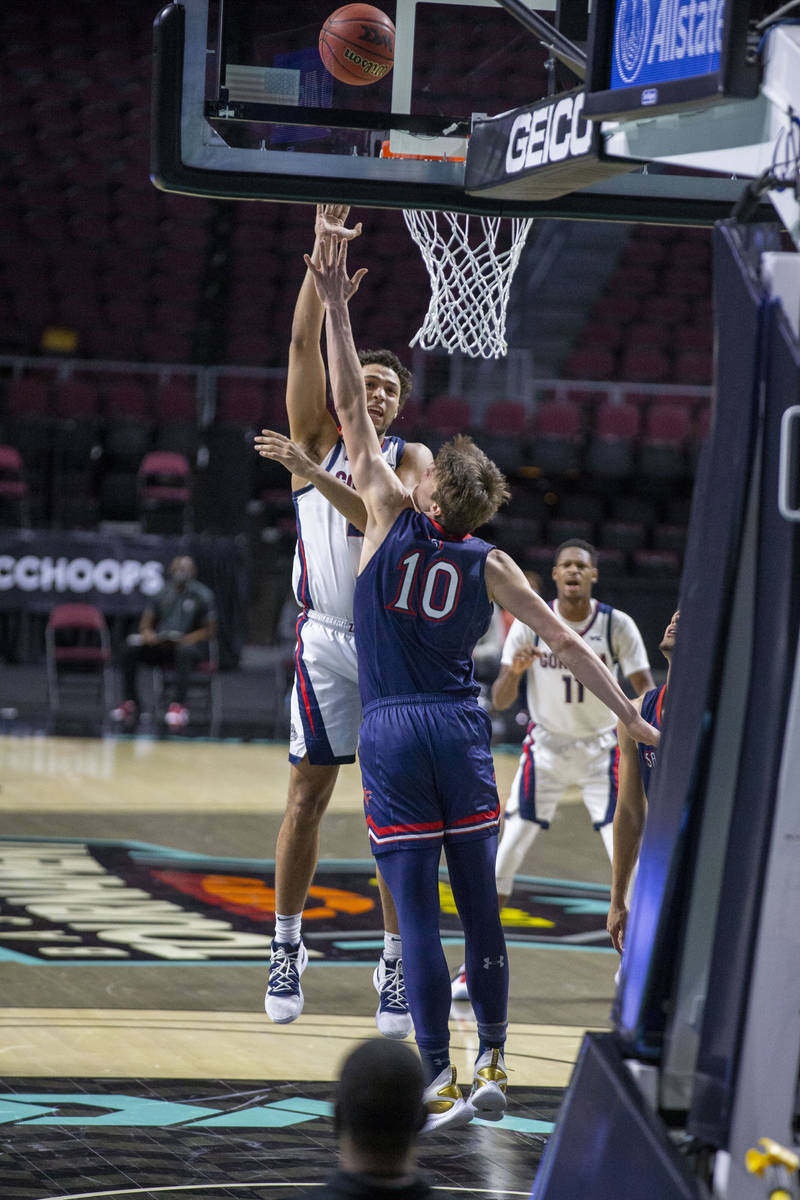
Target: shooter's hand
[270,444]
[330,222]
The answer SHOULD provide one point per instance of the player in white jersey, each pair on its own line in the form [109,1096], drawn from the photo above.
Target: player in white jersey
[326,709]
[571,738]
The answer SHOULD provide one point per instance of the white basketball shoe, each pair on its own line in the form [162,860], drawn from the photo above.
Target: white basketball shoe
[447,1108]
[284,999]
[489,1083]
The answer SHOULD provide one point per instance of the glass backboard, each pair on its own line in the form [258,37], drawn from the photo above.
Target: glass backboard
[244,108]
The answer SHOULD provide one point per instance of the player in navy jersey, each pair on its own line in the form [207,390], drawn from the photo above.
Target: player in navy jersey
[636,763]
[423,599]
[326,709]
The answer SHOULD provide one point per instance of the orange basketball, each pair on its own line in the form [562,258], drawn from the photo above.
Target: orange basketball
[356,44]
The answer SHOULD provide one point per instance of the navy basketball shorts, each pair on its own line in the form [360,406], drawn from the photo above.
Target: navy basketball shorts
[427,771]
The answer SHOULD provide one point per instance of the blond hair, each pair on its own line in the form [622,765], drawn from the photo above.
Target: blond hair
[469,486]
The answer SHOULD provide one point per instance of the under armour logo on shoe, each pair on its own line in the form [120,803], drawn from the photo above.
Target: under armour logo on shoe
[494,962]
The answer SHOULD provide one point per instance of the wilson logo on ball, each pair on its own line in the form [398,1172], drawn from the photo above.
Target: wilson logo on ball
[372,68]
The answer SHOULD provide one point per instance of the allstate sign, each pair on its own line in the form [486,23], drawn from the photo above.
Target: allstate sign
[660,40]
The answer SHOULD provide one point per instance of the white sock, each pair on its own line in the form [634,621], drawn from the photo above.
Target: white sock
[287,929]
[392,946]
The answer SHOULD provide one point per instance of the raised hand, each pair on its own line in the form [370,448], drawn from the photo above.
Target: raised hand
[330,222]
[523,658]
[330,277]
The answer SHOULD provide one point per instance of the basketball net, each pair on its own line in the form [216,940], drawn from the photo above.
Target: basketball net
[470,283]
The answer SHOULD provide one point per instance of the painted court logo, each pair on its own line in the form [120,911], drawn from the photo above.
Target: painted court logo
[68,900]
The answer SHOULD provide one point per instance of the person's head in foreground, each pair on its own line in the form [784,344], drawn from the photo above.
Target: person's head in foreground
[379,1111]
[462,489]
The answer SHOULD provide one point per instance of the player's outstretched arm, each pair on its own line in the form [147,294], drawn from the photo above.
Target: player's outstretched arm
[509,587]
[379,488]
[310,423]
[271,444]
[629,818]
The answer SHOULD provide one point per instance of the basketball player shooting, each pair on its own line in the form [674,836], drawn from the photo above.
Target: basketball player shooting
[423,598]
[325,709]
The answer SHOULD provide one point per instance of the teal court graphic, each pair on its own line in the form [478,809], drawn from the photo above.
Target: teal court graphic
[55,1108]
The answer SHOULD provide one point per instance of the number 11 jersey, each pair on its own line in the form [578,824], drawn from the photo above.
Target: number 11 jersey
[556,701]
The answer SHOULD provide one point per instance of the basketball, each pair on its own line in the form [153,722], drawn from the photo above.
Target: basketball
[356,44]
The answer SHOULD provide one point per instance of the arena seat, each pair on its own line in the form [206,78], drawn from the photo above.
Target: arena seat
[622,535]
[557,438]
[645,364]
[78,653]
[564,529]
[14,492]
[611,448]
[590,362]
[164,489]
[664,442]
[504,434]
[655,564]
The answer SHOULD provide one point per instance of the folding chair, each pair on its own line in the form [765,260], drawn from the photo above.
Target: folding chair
[164,485]
[78,653]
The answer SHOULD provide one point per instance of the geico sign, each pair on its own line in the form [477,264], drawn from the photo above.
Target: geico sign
[109,576]
[548,134]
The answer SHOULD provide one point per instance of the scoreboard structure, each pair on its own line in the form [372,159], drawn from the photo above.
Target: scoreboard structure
[647,57]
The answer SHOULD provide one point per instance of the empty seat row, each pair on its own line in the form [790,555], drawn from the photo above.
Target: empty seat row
[640,363]
[171,397]
[157,491]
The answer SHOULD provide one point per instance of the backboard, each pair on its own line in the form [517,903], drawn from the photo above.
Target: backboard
[243,108]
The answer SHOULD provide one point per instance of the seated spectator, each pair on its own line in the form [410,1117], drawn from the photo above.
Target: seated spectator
[378,1115]
[174,632]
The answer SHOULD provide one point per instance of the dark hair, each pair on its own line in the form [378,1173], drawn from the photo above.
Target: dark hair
[469,486]
[579,544]
[379,1098]
[386,358]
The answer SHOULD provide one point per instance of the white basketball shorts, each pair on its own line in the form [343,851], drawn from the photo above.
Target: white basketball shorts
[326,706]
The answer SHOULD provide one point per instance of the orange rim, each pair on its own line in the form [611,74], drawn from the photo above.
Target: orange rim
[387,153]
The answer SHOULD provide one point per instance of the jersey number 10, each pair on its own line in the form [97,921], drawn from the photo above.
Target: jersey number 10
[435,594]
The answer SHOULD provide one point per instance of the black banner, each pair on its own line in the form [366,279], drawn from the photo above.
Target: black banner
[119,573]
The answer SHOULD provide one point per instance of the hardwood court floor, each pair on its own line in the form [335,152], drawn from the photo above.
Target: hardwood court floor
[99,1003]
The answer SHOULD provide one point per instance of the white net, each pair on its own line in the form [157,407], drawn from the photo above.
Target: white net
[470,279]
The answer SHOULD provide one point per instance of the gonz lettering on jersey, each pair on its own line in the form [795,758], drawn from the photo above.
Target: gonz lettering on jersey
[552,660]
